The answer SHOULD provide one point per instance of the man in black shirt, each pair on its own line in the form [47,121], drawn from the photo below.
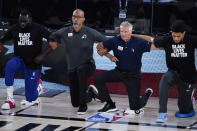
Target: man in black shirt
[179,48]
[27,38]
[79,40]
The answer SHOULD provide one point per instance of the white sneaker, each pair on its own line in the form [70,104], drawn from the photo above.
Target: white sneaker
[8,104]
[133,112]
[29,103]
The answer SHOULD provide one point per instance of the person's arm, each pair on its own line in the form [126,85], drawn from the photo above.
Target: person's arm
[53,42]
[149,39]
[111,57]
[194,41]
[2,48]
[5,37]
[97,36]
[145,37]
[102,51]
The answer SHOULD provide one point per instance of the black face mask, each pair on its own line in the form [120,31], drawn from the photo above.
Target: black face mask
[24,20]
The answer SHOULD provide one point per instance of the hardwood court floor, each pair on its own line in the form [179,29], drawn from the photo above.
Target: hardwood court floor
[57,114]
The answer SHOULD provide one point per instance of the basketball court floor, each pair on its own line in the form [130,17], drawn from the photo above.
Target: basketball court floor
[57,114]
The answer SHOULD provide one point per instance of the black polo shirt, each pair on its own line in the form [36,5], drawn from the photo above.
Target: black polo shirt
[79,45]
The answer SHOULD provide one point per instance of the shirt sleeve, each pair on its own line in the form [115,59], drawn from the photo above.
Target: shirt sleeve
[108,44]
[45,32]
[194,41]
[161,41]
[59,34]
[6,36]
[146,46]
[98,36]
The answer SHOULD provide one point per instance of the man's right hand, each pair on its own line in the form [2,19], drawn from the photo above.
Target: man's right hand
[114,59]
[100,46]
[2,48]
[53,45]
[100,49]
[54,41]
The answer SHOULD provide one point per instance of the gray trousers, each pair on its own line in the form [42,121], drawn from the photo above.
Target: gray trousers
[185,92]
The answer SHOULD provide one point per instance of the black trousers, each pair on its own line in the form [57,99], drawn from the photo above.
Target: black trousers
[78,83]
[131,81]
[185,90]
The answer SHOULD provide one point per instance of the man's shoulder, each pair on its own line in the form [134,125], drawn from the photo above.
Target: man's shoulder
[13,27]
[166,38]
[38,26]
[89,29]
[188,36]
[137,39]
[67,29]
[191,38]
[114,39]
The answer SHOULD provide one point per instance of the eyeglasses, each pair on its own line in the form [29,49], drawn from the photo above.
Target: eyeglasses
[78,17]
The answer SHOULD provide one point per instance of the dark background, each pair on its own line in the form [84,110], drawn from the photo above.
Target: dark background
[147,16]
[152,17]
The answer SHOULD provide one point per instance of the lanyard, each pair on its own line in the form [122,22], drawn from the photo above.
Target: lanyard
[120,3]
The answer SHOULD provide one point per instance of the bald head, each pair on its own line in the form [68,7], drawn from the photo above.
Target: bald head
[79,11]
[78,19]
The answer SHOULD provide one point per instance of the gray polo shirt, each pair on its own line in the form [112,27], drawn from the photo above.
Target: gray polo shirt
[79,45]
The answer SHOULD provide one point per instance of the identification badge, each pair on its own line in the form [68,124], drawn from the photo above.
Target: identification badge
[70,34]
[120,48]
[122,14]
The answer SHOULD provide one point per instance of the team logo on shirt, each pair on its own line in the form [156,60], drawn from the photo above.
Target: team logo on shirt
[132,50]
[178,51]
[120,48]
[84,36]
[70,34]
[24,39]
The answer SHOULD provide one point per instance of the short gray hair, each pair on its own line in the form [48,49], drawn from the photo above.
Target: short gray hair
[127,24]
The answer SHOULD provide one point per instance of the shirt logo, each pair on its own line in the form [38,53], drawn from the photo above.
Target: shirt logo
[70,34]
[132,50]
[120,48]
[24,39]
[33,76]
[84,36]
[178,51]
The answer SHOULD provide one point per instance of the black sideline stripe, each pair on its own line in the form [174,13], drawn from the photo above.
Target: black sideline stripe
[3,123]
[50,127]
[96,129]
[118,122]
[28,127]
[71,128]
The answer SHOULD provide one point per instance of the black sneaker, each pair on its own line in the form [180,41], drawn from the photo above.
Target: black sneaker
[148,92]
[82,109]
[108,107]
[93,91]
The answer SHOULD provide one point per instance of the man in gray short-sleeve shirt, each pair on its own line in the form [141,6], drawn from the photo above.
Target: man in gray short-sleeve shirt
[79,40]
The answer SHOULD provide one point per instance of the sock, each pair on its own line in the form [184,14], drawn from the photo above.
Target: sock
[10,90]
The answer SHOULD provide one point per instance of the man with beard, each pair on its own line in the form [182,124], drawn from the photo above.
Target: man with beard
[79,40]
